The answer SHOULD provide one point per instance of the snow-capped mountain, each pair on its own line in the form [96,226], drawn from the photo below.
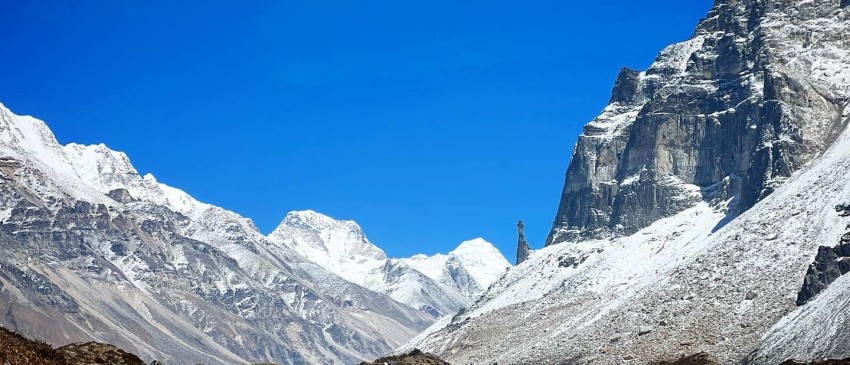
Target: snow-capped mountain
[470,268]
[698,209]
[94,251]
[439,284]
[339,246]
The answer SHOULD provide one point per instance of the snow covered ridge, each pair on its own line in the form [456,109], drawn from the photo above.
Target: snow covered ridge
[692,210]
[439,284]
[94,251]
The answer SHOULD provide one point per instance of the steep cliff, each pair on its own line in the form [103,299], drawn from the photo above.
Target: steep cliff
[755,94]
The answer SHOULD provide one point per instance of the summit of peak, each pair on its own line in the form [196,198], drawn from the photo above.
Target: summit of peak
[310,219]
[476,247]
[475,243]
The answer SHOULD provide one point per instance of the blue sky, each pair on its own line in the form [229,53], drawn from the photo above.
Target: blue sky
[429,123]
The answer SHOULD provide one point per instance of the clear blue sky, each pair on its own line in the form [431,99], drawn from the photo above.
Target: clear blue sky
[428,122]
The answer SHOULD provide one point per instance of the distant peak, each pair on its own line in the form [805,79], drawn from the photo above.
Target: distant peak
[312,220]
[309,213]
[475,244]
[311,217]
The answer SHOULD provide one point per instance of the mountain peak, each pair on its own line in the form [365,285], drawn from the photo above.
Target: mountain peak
[474,244]
[475,247]
[484,262]
[315,220]
[338,246]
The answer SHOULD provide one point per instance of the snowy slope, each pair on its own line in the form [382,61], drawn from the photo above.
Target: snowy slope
[339,246]
[681,280]
[94,251]
[815,331]
[440,284]
[698,277]
[470,268]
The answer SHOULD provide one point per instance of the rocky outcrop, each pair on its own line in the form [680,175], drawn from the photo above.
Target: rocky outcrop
[414,357]
[830,263]
[522,250]
[698,359]
[97,353]
[19,350]
[120,195]
[731,112]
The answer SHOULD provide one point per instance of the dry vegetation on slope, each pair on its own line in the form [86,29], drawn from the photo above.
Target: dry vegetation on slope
[18,350]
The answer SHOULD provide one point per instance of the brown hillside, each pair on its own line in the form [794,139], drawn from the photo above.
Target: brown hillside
[19,350]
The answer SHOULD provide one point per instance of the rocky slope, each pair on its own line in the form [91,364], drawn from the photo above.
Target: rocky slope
[693,208]
[94,251]
[439,285]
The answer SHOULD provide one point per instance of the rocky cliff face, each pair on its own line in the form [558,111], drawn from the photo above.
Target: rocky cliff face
[752,97]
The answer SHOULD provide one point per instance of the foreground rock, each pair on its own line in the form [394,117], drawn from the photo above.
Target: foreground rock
[415,357]
[18,350]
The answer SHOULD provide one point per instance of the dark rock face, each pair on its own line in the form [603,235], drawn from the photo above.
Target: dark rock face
[723,109]
[830,263]
[522,250]
[415,357]
[626,86]
[845,3]
[120,195]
